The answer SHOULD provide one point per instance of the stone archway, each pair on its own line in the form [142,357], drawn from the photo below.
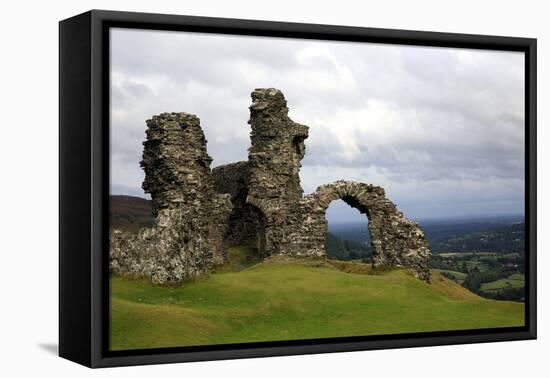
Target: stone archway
[395,239]
[247,226]
[348,237]
[259,222]
[247,221]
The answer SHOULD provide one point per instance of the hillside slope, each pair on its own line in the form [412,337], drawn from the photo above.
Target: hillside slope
[290,299]
[129,213]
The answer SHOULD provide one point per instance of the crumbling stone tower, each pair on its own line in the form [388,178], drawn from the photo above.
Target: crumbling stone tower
[186,239]
[175,161]
[177,175]
[277,147]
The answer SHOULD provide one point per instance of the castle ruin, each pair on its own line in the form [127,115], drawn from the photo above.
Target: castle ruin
[200,211]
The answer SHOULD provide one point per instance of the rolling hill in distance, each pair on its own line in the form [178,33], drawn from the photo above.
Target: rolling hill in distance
[128,213]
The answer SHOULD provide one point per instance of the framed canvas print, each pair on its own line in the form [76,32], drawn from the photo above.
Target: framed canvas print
[234,188]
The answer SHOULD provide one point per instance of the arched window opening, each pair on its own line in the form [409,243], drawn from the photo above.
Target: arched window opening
[348,236]
[246,227]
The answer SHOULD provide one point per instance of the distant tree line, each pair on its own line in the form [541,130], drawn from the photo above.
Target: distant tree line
[341,249]
[506,294]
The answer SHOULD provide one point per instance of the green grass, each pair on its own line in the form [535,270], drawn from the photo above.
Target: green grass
[239,258]
[285,299]
[516,280]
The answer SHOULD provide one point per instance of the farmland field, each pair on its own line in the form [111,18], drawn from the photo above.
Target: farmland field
[513,281]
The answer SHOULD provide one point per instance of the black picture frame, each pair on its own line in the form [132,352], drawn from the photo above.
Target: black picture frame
[84,186]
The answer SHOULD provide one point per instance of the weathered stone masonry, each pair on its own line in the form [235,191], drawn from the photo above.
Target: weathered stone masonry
[396,241]
[200,212]
[186,239]
[246,224]
[277,147]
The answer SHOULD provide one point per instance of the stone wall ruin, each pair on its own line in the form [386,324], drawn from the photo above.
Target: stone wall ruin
[199,211]
[186,239]
[395,240]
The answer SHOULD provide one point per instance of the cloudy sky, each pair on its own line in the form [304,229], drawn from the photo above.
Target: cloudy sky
[440,129]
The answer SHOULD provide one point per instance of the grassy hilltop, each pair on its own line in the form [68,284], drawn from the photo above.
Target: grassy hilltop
[285,299]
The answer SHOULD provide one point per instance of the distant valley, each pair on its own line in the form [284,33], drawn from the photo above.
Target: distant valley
[502,234]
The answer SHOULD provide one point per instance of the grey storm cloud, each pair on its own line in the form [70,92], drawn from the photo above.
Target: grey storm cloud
[441,129]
